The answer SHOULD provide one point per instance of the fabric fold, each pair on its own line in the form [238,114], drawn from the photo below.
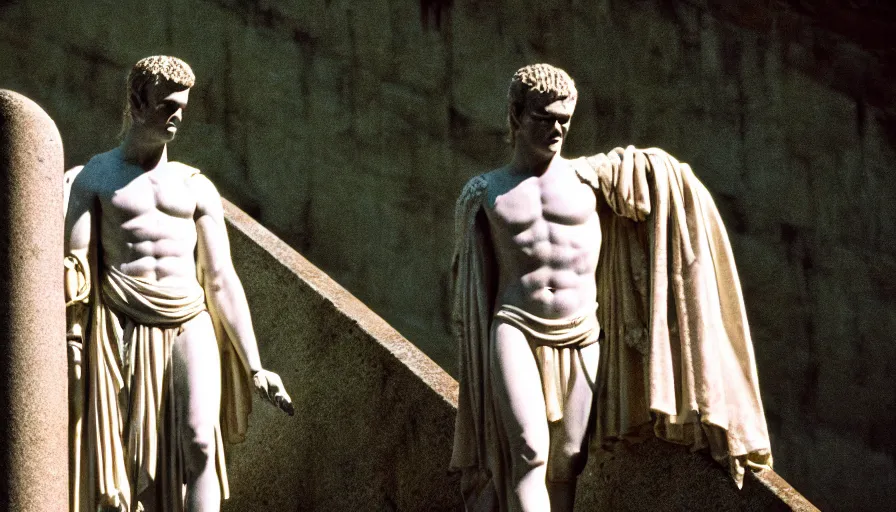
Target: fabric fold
[131,414]
[555,343]
[702,384]
[130,440]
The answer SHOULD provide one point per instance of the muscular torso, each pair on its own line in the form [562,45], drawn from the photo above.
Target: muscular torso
[546,235]
[146,219]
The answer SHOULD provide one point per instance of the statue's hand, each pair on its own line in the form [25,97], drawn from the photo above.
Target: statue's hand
[270,388]
[75,381]
[74,359]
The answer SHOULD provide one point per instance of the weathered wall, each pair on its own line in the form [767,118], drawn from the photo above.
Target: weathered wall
[348,128]
[372,429]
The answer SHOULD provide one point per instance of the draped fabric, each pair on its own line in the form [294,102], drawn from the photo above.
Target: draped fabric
[556,344]
[126,448]
[131,406]
[678,345]
[676,350]
[477,437]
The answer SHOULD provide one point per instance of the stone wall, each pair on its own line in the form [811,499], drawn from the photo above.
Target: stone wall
[372,429]
[348,128]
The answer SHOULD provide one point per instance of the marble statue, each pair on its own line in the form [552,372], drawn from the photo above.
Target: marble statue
[162,349]
[592,297]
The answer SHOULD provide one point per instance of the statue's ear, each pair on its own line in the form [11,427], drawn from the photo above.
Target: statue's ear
[513,120]
[513,117]
[138,103]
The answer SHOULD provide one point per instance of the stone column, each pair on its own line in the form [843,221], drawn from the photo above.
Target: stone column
[33,365]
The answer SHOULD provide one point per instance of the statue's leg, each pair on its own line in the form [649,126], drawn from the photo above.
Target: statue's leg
[197,384]
[569,436]
[518,394]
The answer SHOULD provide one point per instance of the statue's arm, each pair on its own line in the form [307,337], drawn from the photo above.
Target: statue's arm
[77,241]
[622,175]
[77,266]
[224,291]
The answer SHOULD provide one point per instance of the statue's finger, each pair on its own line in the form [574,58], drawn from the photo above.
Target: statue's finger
[275,384]
[285,403]
[261,385]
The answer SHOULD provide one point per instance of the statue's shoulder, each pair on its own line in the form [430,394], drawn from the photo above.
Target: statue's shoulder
[91,175]
[195,180]
[475,189]
[203,190]
[187,170]
[102,161]
[470,203]
[586,169]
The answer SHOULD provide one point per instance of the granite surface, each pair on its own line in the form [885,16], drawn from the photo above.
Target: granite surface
[374,415]
[33,364]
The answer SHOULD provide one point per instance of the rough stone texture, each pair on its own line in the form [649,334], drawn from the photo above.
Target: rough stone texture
[348,128]
[374,415]
[655,475]
[33,367]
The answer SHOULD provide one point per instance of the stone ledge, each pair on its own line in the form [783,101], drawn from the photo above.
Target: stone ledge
[373,427]
[655,475]
[383,333]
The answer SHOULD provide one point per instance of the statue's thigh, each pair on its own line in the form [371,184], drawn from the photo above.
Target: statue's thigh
[569,436]
[579,404]
[197,373]
[517,389]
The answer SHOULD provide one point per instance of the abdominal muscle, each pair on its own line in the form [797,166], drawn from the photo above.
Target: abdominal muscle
[551,276]
[561,297]
[156,249]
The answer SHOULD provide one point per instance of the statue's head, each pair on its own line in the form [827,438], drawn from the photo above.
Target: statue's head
[158,88]
[540,103]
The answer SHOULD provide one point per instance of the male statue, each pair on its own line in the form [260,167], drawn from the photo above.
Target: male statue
[161,341]
[564,319]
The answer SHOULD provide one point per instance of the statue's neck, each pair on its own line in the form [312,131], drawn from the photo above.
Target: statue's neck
[525,162]
[138,151]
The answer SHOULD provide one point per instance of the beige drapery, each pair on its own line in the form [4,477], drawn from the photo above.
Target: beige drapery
[556,344]
[129,438]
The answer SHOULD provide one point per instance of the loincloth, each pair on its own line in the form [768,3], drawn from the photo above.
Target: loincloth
[150,303]
[555,343]
[132,407]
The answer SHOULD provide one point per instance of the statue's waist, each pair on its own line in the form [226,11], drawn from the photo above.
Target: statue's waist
[579,330]
[151,303]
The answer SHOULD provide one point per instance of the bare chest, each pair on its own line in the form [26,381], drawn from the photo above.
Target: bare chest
[537,205]
[148,196]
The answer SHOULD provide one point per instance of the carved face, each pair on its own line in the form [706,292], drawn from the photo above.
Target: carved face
[162,110]
[543,124]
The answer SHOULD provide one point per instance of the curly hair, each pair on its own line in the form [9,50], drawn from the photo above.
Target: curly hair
[542,79]
[155,70]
